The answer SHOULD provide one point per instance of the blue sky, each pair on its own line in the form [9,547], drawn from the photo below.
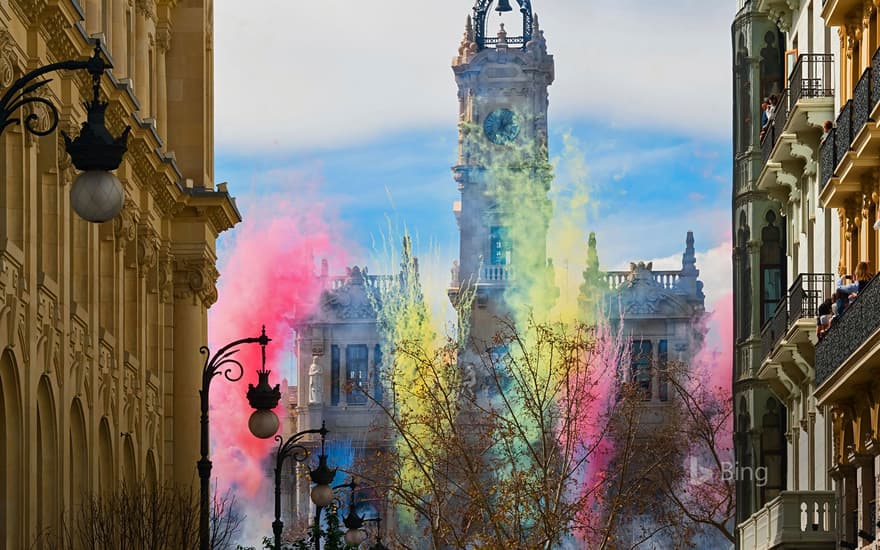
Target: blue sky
[361,103]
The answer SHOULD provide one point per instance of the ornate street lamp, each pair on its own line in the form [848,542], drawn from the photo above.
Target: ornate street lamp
[322,493]
[322,476]
[96,194]
[224,363]
[353,522]
[378,545]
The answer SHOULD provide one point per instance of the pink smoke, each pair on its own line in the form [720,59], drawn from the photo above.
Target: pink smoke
[597,401]
[712,367]
[268,278]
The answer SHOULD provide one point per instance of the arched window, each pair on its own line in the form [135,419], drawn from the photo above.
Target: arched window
[11,490]
[772,266]
[744,303]
[773,427]
[47,459]
[106,465]
[79,456]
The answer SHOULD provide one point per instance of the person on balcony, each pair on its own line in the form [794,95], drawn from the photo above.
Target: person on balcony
[765,116]
[847,292]
[826,313]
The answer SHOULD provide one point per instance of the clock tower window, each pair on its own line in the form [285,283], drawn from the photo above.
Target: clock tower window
[500,248]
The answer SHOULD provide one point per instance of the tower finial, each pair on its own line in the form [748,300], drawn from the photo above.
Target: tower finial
[689,258]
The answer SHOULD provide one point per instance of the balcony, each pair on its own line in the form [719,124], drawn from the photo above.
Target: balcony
[845,358]
[796,520]
[797,310]
[837,13]
[789,337]
[852,150]
[790,145]
[497,274]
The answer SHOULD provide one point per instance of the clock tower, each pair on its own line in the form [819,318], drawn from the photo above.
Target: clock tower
[502,172]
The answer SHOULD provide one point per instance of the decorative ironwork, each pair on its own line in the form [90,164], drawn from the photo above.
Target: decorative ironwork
[780,116]
[221,363]
[774,328]
[481,9]
[807,294]
[767,143]
[861,103]
[801,301]
[827,158]
[812,76]
[19,94]
[291,449]
[860,320]
[843,137]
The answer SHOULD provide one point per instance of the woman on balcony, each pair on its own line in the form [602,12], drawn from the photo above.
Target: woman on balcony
[846,293]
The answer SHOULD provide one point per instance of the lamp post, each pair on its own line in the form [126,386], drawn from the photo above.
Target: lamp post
[96,194]
[352,521]
[263,422]
[378,545]
[322,477]
[321,494]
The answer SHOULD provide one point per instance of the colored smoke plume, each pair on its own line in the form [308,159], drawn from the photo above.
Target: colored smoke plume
[268,277]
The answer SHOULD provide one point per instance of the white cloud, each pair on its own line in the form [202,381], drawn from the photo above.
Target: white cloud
[322,74]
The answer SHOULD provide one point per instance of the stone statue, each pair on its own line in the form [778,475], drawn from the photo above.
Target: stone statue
[316,382]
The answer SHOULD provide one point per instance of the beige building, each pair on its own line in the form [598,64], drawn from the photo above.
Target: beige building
[793,506]
[100,325]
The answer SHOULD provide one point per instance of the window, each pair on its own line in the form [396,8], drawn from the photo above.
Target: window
[334,375]
[356,374]
[499,246]
[662,360]
[641,366]
[772,265]
[377,373]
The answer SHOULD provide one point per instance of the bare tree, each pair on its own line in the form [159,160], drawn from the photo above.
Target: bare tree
[137,517]
[706,497]
[509,448]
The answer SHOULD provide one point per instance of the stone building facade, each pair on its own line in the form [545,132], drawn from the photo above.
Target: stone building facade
[847,359]
[100,325]
[661,316]
[788,173]
[759,265]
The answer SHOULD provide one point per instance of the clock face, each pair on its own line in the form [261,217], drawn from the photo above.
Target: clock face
[501,126]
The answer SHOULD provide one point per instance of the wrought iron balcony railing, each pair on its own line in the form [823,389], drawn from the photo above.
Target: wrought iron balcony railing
[780,116]
[862,103]
[768,142]
[812,76]
[827,158]
[843,135]
[774,328]
[852,118]
[860,320]
[802,301]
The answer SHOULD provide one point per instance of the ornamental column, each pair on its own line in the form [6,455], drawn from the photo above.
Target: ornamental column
[143,15]
[118,35]
[194,292]
[163,44]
